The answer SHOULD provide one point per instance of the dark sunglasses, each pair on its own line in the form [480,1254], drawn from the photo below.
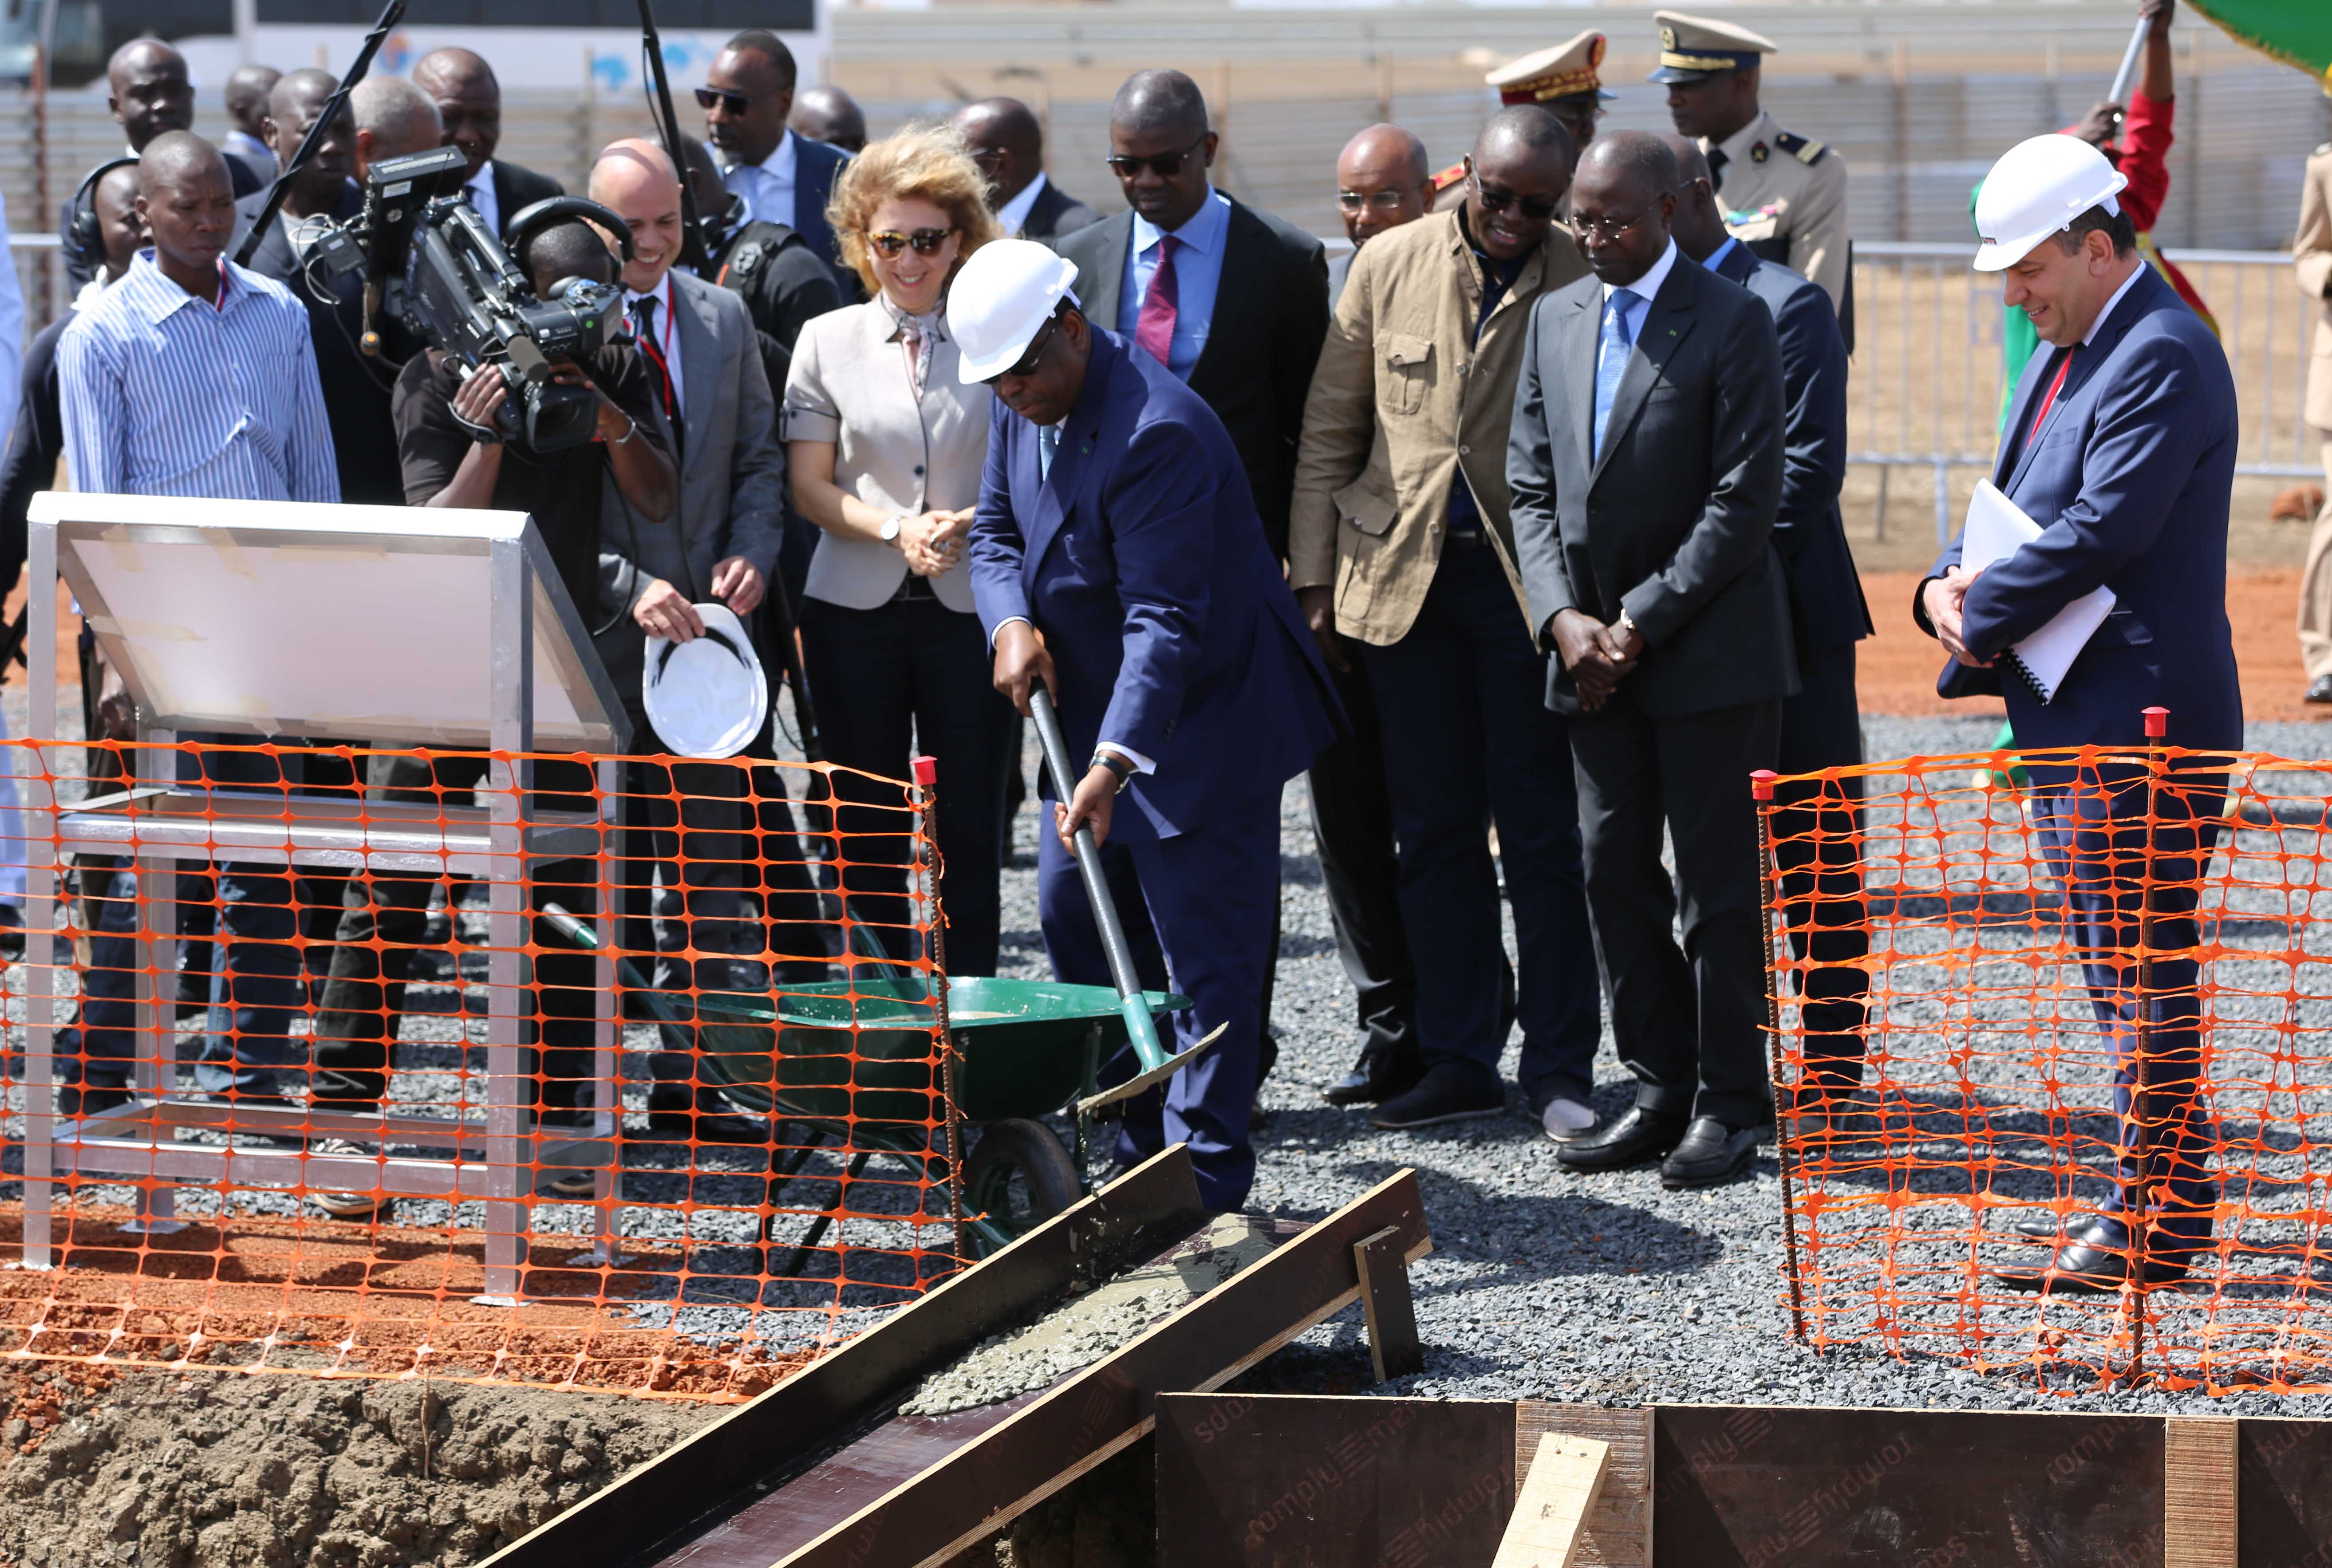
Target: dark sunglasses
[1538,209]
[926,241]
[1167,164]
[1027,361]
[734,103]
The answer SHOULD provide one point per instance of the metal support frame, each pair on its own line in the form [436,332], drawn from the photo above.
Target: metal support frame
[158,824]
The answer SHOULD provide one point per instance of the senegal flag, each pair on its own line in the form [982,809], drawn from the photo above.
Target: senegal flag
[2295,31]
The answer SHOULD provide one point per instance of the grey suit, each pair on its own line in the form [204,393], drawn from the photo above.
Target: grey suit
[1671,522]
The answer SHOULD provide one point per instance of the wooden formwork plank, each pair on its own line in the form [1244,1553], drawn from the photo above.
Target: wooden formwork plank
[1618,1531]
[2198,1514]
[1391,1311]
[2284,1499]
[1559,1489]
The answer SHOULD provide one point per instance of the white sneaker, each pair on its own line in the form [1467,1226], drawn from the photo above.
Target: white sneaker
[1567,1119]
[346,1205]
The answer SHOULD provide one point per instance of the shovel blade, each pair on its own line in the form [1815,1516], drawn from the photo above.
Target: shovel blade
[1120,1092]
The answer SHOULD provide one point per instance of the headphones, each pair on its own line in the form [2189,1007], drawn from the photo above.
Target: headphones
[84,242]
[528,220]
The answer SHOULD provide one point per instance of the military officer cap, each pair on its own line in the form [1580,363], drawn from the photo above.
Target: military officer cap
[1693,47]
[1565,71]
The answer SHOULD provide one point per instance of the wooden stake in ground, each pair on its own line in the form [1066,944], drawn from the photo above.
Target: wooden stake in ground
[1566,1476]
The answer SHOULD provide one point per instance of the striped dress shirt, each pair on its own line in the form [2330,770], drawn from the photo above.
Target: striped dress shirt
[164,394]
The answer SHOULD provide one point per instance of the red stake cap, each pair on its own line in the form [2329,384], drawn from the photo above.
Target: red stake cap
[1762,782]
[2158,722]
[927,770]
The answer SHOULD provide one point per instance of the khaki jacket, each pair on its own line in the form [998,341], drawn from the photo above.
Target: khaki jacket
[1784,197]
[2311,258]
[1404,402]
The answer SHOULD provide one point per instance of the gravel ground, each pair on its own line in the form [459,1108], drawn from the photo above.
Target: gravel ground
[1543,1284]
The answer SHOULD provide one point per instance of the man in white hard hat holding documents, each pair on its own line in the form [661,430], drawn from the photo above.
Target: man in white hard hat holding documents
[2120,451]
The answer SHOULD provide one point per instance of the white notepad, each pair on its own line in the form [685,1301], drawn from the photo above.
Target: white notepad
[1997,528]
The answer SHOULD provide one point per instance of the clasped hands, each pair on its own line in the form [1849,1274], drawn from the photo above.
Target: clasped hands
[1599,657]
[933,541]
[1944,598]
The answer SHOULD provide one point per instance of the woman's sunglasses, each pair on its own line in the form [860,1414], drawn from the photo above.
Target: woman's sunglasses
[926,241]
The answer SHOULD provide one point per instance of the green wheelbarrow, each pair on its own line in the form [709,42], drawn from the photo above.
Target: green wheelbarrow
[852,1062]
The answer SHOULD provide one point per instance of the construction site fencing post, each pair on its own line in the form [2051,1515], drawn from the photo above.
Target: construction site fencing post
[1760,788]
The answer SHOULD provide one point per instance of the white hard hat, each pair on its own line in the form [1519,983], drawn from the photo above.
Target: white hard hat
[2036,188]
[707,697]
[1000,300]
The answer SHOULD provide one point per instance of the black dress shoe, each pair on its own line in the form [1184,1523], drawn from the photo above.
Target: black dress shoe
[1450,1092]
[2319,690]
[1711,1154]
[1634,1138]
[1379,1076]
[2042,1225]
[2093,1263]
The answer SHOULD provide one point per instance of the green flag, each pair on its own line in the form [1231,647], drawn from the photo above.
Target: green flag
[2295,31]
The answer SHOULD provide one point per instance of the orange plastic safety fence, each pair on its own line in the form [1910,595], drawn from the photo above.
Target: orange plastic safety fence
[619,1073]
[2091,990]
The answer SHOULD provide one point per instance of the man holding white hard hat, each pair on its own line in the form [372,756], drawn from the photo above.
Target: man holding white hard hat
[2120,445]
[1117,556]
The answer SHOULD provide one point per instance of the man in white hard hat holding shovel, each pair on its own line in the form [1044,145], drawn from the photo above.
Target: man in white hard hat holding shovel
[1117,557]
[2120,445]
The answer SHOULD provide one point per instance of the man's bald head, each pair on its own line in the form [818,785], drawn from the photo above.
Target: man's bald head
[569,249]
[120,231]
[1700,223]
[1006,142]
[828,114]
[247,96]
[296,103]
[1164,102]
[394,119]
[187,202]
[633,179]
[148,90]
[1383,180]
[469,101]
[1528,131]
[1623,204]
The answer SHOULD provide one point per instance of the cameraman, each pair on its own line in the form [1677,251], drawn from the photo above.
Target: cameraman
[450,459]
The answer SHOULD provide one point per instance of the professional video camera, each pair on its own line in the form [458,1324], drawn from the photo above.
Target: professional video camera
[430,262]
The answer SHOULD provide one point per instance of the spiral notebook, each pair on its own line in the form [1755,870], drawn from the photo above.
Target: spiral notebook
[1997,528]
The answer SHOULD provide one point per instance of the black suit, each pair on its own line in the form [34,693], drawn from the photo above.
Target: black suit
[1271,315]
[1055,213]
[1670,521]
[1822,726]
[355,387]
[517,189]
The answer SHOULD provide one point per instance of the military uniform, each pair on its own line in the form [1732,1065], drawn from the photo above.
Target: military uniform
[1561,79]
[2311,258]
[1783,194]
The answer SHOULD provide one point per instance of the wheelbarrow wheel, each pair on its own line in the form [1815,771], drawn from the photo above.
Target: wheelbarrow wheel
[1019,1176]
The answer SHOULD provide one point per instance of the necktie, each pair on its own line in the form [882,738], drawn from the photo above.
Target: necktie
[1049,441]
[2049,399]
[644,312]
[1154,328]
[1611,359]
[1717,162]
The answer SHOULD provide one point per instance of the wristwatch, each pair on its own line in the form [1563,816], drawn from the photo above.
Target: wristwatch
[1119,768]
[891,530]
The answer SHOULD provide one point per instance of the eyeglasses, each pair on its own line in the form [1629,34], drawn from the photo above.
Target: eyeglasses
[1538,209]
[926,241]
[734,103]
[1167,164]
[1384,201]
[989,156]
[1026,365]
[1610,228]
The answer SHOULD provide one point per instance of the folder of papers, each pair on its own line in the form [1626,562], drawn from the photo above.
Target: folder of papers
[1997,528]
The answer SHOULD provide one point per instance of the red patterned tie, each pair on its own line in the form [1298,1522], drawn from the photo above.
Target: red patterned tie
[1154,328]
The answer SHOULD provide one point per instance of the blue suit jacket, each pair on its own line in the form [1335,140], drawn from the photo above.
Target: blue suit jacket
[1141,559]
[1825,601]
[2129,482]
[816,164]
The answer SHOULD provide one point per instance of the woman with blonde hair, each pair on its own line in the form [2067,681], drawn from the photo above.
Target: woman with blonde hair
[884,445]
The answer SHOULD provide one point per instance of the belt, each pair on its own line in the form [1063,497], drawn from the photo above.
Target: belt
[1468,538]
[915,588]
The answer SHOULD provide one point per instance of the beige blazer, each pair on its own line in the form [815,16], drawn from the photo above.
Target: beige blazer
[1404,403]
[898,454]
[2311,257]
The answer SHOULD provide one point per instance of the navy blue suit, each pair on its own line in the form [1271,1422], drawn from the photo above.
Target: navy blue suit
[1816,831]
[1142,560]
[816,165]
[2129,479]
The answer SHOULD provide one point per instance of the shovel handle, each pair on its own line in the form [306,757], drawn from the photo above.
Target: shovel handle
[1139,1027]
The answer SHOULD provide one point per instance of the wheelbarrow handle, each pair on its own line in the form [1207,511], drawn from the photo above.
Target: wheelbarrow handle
[582,935]
[1139,1025]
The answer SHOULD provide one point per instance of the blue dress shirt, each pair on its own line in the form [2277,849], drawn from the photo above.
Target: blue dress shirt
[164,393]
[1198,276]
